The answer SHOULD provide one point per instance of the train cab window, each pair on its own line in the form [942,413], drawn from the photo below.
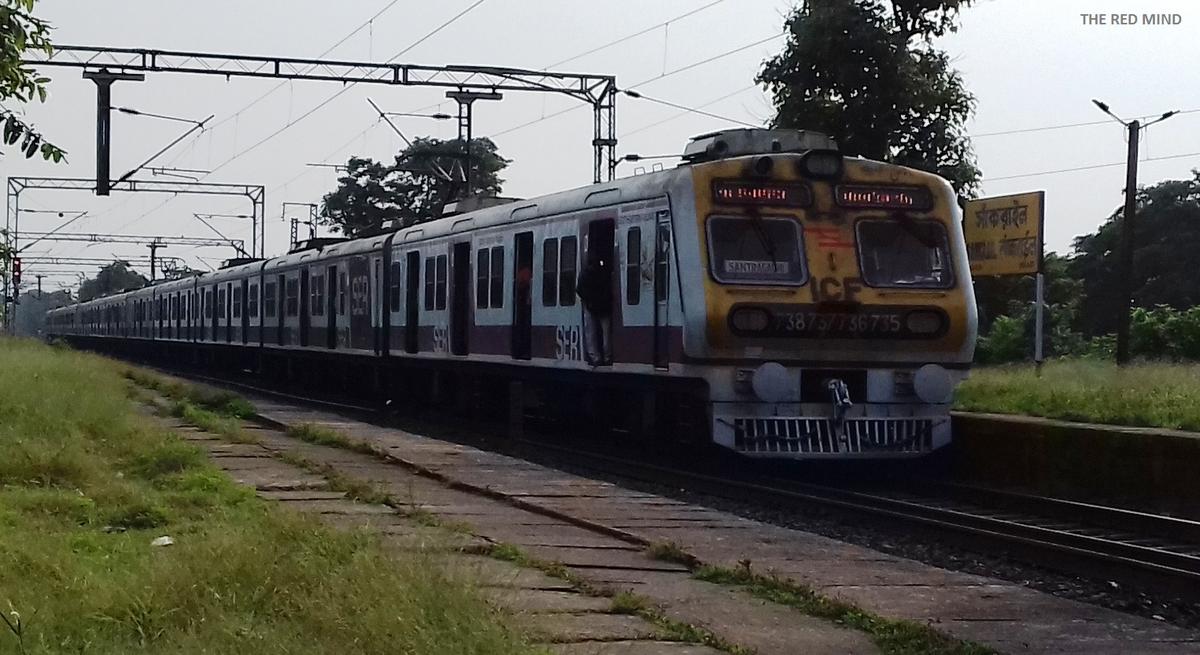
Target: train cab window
[440,291]
[911,254]
[567,256]
[269,299]
[633,266]
[253,301]
[550,272]
[292,288]
[316,295]
[394,287]
[756,251]
[237,302]
[429,283]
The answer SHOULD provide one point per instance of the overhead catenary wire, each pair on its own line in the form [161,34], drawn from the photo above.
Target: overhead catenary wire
[644,82]
[695,110]
[1088,168]
[323,103]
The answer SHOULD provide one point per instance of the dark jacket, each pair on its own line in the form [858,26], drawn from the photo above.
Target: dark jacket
[595,289]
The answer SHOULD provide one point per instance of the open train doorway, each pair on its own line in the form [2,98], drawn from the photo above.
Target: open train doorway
[305,317]
[412,288]
[460,302]
[522,334]
[596,291]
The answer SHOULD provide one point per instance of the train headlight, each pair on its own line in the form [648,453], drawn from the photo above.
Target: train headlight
[923,322]
[823,164]
[933,384]
[772,383]
[748,320]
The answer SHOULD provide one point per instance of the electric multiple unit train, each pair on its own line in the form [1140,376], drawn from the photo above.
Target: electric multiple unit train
[768,295]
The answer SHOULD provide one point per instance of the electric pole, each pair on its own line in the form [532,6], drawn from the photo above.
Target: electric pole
[39,277]
[154,246]
[1125,281]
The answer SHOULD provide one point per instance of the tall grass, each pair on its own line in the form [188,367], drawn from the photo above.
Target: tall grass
[86,485]
[1147,394]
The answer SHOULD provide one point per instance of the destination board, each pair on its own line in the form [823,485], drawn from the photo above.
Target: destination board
[1004,234]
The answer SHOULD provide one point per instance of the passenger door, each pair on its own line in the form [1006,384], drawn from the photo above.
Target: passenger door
[662,289]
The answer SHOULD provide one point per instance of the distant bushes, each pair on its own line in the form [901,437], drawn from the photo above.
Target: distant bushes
[1161,333]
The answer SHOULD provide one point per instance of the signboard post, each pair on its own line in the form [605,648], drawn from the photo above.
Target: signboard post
[1005,237]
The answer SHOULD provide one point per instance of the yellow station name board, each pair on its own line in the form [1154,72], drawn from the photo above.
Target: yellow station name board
[1004,234]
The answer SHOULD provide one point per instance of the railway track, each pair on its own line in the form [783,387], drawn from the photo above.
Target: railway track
[1136,549]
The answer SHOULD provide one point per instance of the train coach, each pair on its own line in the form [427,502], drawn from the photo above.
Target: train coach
[767,295]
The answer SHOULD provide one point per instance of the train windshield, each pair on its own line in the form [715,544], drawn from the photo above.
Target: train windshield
[904,253]
[756,251]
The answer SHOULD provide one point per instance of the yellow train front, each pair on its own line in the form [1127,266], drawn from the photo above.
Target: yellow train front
[838,310]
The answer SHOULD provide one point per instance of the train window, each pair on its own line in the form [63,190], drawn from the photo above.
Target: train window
[910,253]
[394,287]
[252,301]
[220,303]
[237,302]
[269,299]
[316,295]
[482,269]
[440,300]
[550,272]
[429,283]
[208,303]
[341,293]
[661,263]
[292,291]
[755,251]
[489,278]
[566,274]
[633,266]
[497,277]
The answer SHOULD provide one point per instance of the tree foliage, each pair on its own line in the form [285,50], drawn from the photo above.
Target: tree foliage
[21,31]
[866,73]
[113,278]
[411,189]
[1167,238]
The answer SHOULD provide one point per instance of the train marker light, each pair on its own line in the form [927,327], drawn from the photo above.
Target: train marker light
[750,319]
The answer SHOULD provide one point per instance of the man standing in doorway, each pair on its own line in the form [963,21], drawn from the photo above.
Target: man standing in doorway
[595,290]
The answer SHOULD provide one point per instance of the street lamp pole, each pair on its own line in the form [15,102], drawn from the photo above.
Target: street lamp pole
[1125,277]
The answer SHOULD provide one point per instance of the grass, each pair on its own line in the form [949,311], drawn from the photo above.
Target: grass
[323,436]
[1148,394]
[893,637]
[86,484]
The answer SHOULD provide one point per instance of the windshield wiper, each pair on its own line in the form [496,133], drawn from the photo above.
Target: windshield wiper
[761,231]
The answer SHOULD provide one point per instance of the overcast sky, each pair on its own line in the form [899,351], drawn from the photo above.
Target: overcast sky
[1030,64]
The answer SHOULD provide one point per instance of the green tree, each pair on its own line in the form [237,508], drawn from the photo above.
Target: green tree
[21,31]
[1167,237]
[413,189]
[866,73]
[113,278]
